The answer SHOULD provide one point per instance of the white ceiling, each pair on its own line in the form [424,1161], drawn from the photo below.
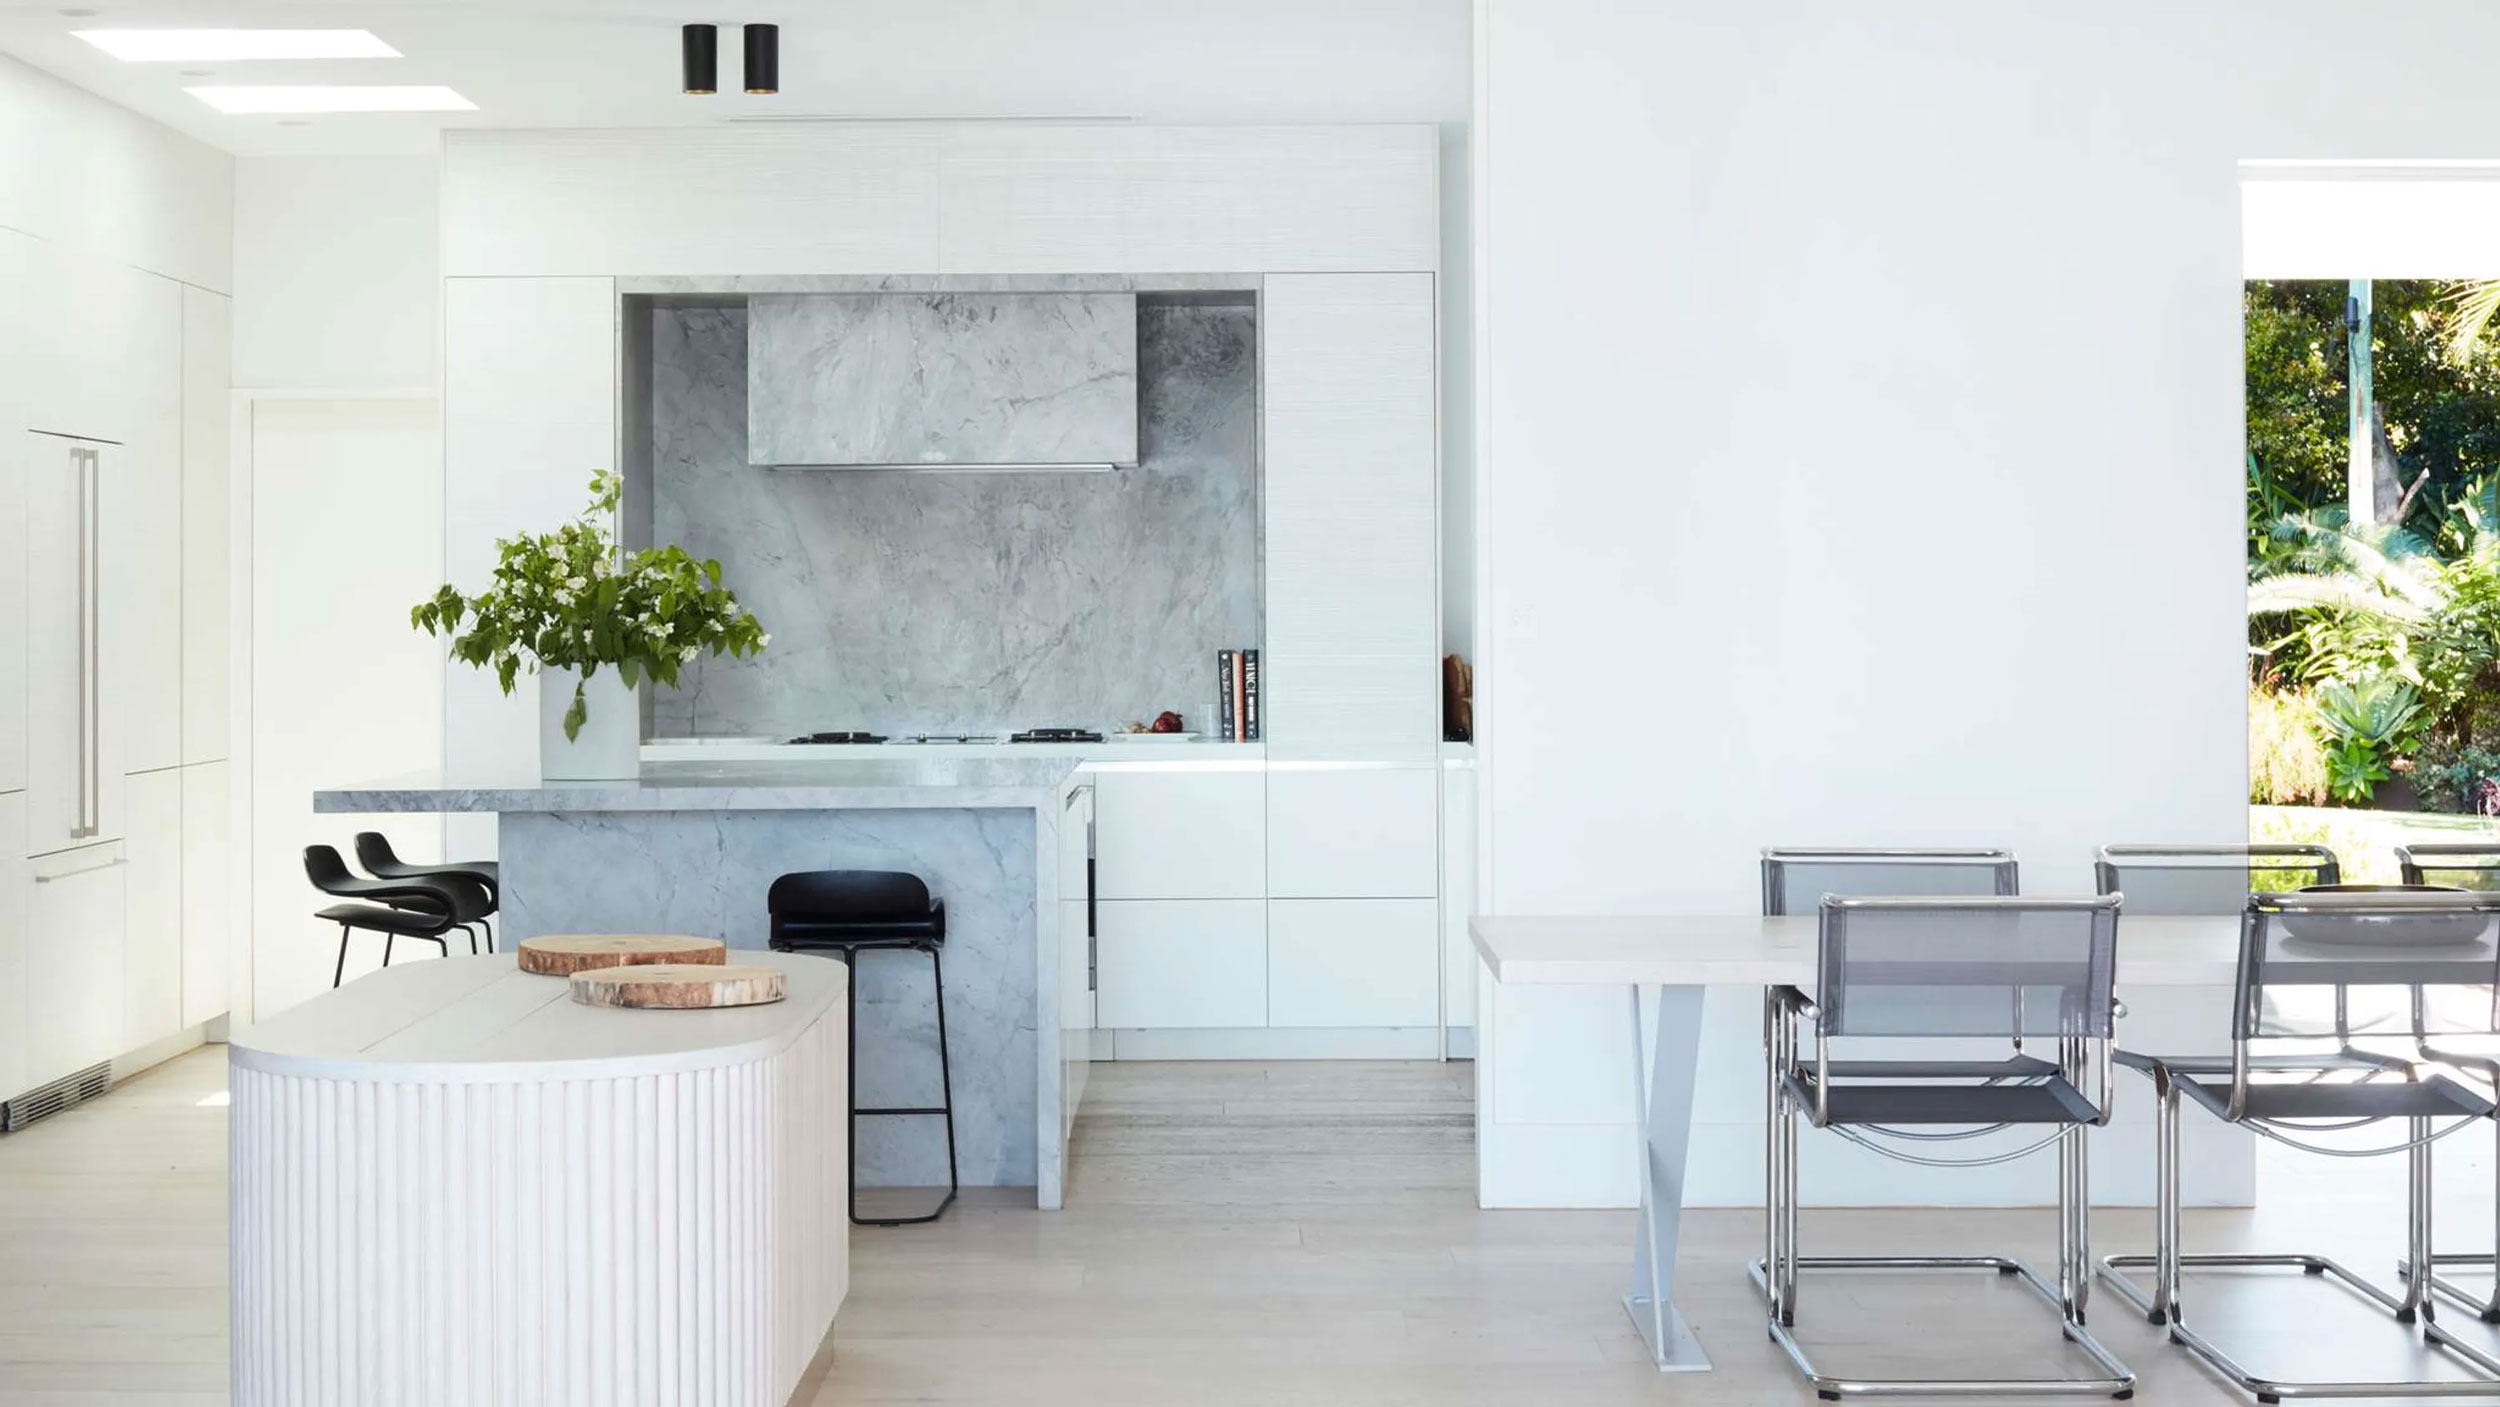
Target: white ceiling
[584,63]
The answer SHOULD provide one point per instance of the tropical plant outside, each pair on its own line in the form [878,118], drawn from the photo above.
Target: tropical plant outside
[2374,646]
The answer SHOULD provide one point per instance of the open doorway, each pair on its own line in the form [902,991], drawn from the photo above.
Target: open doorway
[2372,464]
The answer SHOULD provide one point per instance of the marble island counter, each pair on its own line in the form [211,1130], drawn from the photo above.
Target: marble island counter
[692,847]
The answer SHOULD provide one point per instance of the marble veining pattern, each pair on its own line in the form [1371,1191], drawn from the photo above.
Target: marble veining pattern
[707,873]
[886,781]
[942,378]
[904,602]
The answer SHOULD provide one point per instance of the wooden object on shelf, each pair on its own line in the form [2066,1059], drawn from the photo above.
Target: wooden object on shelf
[563,954]
[679,985]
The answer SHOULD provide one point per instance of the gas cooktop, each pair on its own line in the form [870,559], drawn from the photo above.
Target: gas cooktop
[1030,735]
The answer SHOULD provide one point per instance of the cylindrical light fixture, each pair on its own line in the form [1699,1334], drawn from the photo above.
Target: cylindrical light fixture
[763,43]
[701,47]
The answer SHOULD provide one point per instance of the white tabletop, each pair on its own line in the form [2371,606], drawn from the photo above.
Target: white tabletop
[1752,951]
[466,1020]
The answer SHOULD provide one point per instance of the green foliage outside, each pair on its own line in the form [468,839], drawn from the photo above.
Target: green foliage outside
[2374,647]
[570,599]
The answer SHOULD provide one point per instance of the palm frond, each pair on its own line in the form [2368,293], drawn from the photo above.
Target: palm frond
[2302,591]
[2472,304]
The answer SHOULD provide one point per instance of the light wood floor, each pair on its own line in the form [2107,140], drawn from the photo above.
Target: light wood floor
[1236,1234]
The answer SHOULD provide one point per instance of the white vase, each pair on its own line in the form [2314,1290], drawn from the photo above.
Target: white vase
[609,746]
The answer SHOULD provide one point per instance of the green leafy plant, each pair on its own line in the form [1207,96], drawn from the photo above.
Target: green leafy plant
[570,599]
[2286,762]
[2464,780]
[2365,721]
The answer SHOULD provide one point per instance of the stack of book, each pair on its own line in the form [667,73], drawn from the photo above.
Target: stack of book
[1237,695]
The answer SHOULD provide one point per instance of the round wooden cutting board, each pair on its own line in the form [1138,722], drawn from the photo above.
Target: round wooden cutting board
[563,954]
[679,985]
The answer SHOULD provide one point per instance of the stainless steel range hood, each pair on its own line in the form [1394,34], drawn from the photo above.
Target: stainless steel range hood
[978,382]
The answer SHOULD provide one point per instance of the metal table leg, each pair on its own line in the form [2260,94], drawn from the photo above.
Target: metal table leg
[1662,1099]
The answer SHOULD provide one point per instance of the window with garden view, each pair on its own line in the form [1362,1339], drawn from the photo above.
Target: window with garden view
[2373,468]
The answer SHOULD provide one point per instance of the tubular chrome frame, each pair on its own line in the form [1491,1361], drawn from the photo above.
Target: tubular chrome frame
[2487,1310]
[2109,859]
[2417,1305]
[1774,901]
[1776,1273]
[2409,859]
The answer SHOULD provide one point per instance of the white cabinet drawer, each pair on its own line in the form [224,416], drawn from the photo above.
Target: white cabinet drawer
[1180,963]
[206,956]
[14,992]
[1354,833]
[74,960]
[1180,835]
[1353,962]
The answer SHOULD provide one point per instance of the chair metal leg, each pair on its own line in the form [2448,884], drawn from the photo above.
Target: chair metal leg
[338,974]
[2169,1261]
[489,926]
[387,940]
[2485,1308]
[945,1108]
[1776,1274]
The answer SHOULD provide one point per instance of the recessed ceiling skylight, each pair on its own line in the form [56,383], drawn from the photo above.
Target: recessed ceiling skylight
[158,46]
[311,97]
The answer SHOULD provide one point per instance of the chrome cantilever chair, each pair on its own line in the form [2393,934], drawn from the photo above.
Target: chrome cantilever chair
[2178,880]
[2474,867]
[1989,967]
[1794,880]
[2325,947]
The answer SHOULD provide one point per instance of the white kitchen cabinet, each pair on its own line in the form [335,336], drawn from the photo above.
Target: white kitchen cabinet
[1458,893]
[1176,963]
[1353,962]
[529,415]
[143,534]
[15,890]
[206,893]
[1353,833]
[16,456]
[74,930]
[207,357]
[73,730]
[1351,511]
[1181,835]
[151,1004]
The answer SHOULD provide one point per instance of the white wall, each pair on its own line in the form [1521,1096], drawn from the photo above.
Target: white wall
[1863,433]
[341,689]
[335,272]
[2404,222]
[102,180]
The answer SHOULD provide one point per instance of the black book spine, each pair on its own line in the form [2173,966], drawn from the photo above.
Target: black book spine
[1250,695]
[1224,693]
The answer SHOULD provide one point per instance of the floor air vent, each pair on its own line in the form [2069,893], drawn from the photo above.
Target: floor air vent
[43,1101]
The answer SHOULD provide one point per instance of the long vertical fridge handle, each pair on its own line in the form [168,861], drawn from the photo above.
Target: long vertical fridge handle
[86,744]
[95,643]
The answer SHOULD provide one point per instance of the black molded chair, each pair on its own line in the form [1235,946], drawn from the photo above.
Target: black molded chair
[373,851]
[848,912]
[402,908]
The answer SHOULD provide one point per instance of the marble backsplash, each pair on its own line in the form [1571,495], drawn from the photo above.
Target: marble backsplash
[941,378]
[948,602]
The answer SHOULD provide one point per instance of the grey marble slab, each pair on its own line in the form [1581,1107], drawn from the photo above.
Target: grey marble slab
[702,285]
[942,378]
[903,602]
[886,782]
[707,873]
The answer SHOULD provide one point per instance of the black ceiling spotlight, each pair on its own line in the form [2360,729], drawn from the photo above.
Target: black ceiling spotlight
[701,46]
[763,43]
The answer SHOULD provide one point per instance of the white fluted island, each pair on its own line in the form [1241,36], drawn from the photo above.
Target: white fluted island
[449,1182]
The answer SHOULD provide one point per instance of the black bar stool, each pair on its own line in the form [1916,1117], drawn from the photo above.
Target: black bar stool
[374,852]
[847,912]
[406,908]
